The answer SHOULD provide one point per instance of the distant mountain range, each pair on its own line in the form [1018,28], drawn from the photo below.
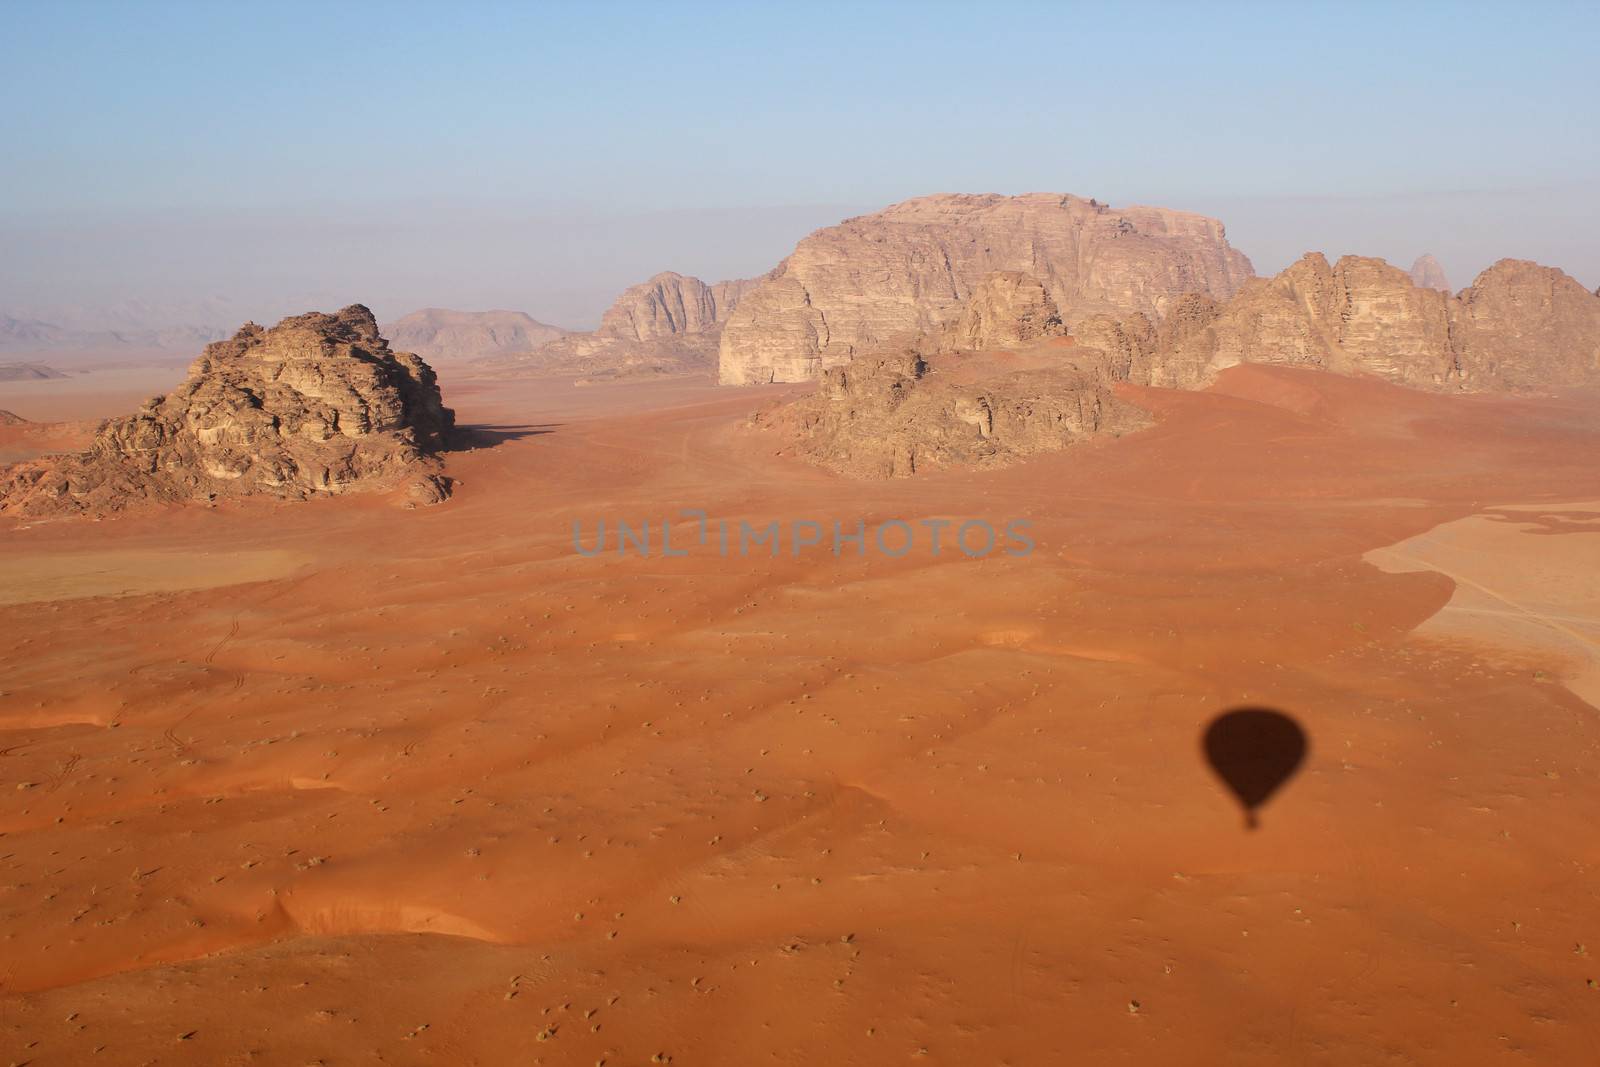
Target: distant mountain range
[20,335]
[669,322]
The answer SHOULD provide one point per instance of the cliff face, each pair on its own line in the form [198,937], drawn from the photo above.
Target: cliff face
[1522,327]
[441,334]
[669,305]
[1007,309]
[1519,326]
[670,323]
[892,413]
[315,405]
[1359,315]
[908,271]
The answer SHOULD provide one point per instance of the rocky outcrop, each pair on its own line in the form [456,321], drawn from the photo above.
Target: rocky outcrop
[1523,327]
[9,419]
[894,414]
[1007,309]
[909,270]
[1360,315]
[441,334]
[1138,350]
[1426,273]
[670,305]
[1518,327]
[316,405]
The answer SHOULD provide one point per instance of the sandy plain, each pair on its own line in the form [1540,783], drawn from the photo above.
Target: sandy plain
[367,786]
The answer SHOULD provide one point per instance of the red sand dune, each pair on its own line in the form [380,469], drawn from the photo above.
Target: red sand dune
[432,788]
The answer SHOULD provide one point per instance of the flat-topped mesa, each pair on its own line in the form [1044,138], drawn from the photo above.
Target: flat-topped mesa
[316,405]
[1519,327]
[910,269]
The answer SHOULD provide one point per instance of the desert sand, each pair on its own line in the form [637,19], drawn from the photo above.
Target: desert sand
[92,394]
[363,786]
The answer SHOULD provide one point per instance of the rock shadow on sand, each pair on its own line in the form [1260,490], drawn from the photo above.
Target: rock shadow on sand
[471,437]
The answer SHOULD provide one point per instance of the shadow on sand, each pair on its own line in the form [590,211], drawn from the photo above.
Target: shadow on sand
[486,435]
[1254,751]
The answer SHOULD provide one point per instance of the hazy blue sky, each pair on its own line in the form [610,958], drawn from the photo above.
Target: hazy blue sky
[543,157]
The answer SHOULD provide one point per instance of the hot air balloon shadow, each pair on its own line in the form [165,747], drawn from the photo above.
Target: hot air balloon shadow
[1254,751]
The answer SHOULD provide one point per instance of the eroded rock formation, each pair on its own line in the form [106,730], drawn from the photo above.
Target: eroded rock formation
[1523,327]
[315,405]
[1007,309]
[670,305]
[909,270]
[1519,327]
[894,414]
[670,323]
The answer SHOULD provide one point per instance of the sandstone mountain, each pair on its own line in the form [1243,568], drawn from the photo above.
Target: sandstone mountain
[895,414]
[669,323]
[1519,327]
[440,334]
[1523,327]
[669,305]
[1428,274]
[908,270]
[315,405]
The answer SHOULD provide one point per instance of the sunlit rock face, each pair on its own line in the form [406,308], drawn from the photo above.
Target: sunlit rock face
[315,405]
[911,269]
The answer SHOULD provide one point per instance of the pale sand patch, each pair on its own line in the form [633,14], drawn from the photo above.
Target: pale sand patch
[1523,586]
[69,575]
[100,393]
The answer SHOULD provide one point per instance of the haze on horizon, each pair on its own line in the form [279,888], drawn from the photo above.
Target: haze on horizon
[543,159]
